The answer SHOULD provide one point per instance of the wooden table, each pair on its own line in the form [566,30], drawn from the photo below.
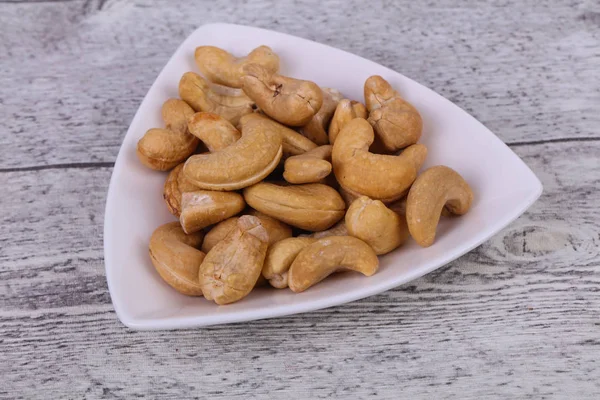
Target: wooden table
[516,318]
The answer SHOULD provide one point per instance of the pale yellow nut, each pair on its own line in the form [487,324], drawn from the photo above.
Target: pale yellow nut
[316,129]
[221,67]
[287,100]
[243,163]
[378,176]
[434,189]
[345,111]
[279,258]
[175,185]
[232,267]
[213,130]
[338,229]
[176,257]
[205,207]
[310,167]
[218,233]
[313,206]
[328,255]
[376,225]
[197,92]
[162,149]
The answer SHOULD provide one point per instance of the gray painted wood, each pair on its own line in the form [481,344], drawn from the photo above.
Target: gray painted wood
[518,317]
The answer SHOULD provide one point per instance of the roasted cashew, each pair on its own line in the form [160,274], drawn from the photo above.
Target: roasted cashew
[435,188]
[313,206]
[396,122]
[197,92]
[243,163]
[176,257]
[287,100]
[220,67]
[279,258]
[218,233]
[380,177]
[316,129]
[338,229]
[213,130]
[376,225]
[328,255]
[310,167]
[231,268]
[205,207]
[162,149]
[175,185]
[345,111]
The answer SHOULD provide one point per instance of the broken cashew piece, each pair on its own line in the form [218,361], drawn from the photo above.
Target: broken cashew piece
[176,257]
[309,167]
[175,185]
[378,176]
[376,225]
[204,207]
[313,206]
[287,100]
[396,122]
[220,67]
[316,129]
[345,111]
[197,92]
[163,149]
[434,189]
[213,130]
[280,257]
[232,267]
[328,255]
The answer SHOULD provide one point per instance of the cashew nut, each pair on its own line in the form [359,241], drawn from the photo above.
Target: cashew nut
[338,229]
[231,268]
[175,185]
[309,167]
[328,255]
[313,206]
[287,100]
[345,111]
[204,207]
[279,258]
[316,129]
[380,177]
[214,131]
[162,149]
[435,188]
[375,224]
[220,67]
[218,233]
[176,257]
[396,122]
[241,164]
[197,92]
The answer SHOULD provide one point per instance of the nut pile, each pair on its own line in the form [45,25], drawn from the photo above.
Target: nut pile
[277,181]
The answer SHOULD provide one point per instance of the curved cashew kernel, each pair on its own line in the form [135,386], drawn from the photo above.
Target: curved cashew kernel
[279,258]
[345,111]
[214,131]
[175,185]
[204,207]
[287,100]
[328,255]
[293,142]
[313,206]
[309,167]
[376,225]
[218,233]
[231,269]
[316,129]
[396,122]
[196,91]
[220,67]
[162,149]
[243,163]
[176,257]
[380,177]
[435,188]
[338,229]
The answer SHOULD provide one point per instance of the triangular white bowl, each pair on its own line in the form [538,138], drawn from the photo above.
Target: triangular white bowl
[504,188]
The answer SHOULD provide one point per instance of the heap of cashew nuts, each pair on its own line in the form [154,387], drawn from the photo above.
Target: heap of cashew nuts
[275,179]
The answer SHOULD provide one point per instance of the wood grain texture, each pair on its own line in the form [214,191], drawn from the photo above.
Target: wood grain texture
[518,317]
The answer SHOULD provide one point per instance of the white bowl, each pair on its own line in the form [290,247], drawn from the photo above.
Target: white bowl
[504,188]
